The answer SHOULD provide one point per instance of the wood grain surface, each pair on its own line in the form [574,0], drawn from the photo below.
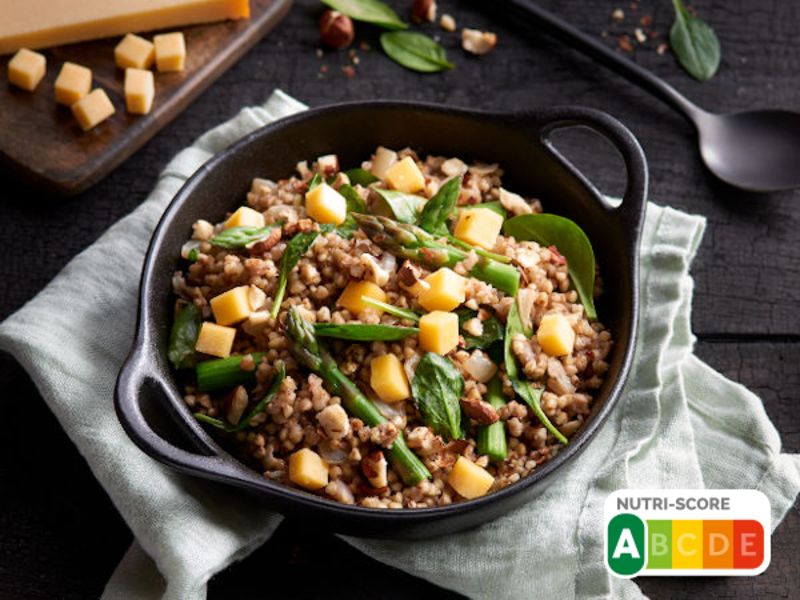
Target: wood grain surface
[42,144]
[61,537]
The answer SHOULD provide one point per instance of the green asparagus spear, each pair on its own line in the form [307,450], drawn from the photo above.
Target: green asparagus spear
[414,243]
[225,372]
[309,352]
[492,438]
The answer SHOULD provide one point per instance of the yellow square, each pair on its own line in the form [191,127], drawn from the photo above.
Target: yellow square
[93,109]
[479,227]
[388,378]
[447,290]
[26,69]
[73,83]
[245,217]
[134,52]
[405,176]
[438,332]
[231,307]
[215,340]
[325,205]
[140,90]
[170,51]
[351,296]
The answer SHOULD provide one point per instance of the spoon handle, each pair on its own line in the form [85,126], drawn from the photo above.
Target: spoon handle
[563,31]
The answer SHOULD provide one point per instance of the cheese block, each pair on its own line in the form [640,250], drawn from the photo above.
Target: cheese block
[46,23]
[92,109]
[139,91]
[73,83]
[26,69]
[170,51]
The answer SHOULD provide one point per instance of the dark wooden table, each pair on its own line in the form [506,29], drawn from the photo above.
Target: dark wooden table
[59,534]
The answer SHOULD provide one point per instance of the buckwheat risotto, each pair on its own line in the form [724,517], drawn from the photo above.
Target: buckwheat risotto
[403,334]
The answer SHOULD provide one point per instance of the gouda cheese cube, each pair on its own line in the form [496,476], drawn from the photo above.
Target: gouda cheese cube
[479,227]
[233,306]
[351,296]
[140,89]
[326,205]
[92,109]
[405,176]
[170,51]
[447,290]
[26,69]
[388,378]
[308,470]
[245,217]
[215,340]
[555,334]
[134,52]
[468,479]
[45,23]
[438,332]
[73,83]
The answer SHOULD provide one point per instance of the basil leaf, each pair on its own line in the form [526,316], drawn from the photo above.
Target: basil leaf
[235,238]
[295,250]
[363,332]
[272,392]
[493,330]
[571,242]
[183,336]
[694,43]
[354,205]
[438,209]
[398,205]
[531,395]
[360,177]
[369,11]
[415,51]
[315,181]
[437,387]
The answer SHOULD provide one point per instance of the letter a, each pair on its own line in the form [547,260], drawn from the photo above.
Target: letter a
[626,545]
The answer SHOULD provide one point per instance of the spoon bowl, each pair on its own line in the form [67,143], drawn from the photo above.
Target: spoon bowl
[757,150]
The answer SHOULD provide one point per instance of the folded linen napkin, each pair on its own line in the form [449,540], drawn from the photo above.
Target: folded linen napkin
[678,424]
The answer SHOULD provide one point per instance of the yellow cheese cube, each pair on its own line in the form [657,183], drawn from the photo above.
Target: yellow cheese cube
[140,89]
[388,378]
[351,296]
[233,306]
[170,51]
[438,332]
[26,69]
[447,290]
[92,109]
[134,52]
[405,176]
[479,227]
[468,479]
[73,83]
[326,205]
[215,340]
[308,470]
[555,334]
[245,217]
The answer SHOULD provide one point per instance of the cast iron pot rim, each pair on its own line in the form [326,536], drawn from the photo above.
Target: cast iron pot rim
[631,212]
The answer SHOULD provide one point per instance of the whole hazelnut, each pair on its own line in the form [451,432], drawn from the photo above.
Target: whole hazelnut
[423,10]
[336,30]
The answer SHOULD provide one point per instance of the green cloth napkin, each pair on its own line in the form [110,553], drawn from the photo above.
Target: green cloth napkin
[678,424]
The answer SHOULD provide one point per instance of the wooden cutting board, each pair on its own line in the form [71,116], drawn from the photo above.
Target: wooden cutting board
[42,144]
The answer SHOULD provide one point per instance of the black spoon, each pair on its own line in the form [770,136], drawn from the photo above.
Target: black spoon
[755,150]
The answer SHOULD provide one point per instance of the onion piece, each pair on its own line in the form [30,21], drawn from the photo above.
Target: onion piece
[331,455]
[480,367]
[525,299]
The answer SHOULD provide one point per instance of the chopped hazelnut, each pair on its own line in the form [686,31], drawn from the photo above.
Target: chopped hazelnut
[447,22]
[478,42]
[423,10]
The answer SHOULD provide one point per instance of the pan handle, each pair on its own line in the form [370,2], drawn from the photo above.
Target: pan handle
[634,200]
[139,390]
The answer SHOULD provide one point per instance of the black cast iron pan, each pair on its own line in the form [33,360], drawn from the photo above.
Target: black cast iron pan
[148,400]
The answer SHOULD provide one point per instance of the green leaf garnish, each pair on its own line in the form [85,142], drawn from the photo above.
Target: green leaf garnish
[368,11]
[235,238]
[415,51]
[571,242]
[694,43]
[436,388]
[364,332]
[183,336]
